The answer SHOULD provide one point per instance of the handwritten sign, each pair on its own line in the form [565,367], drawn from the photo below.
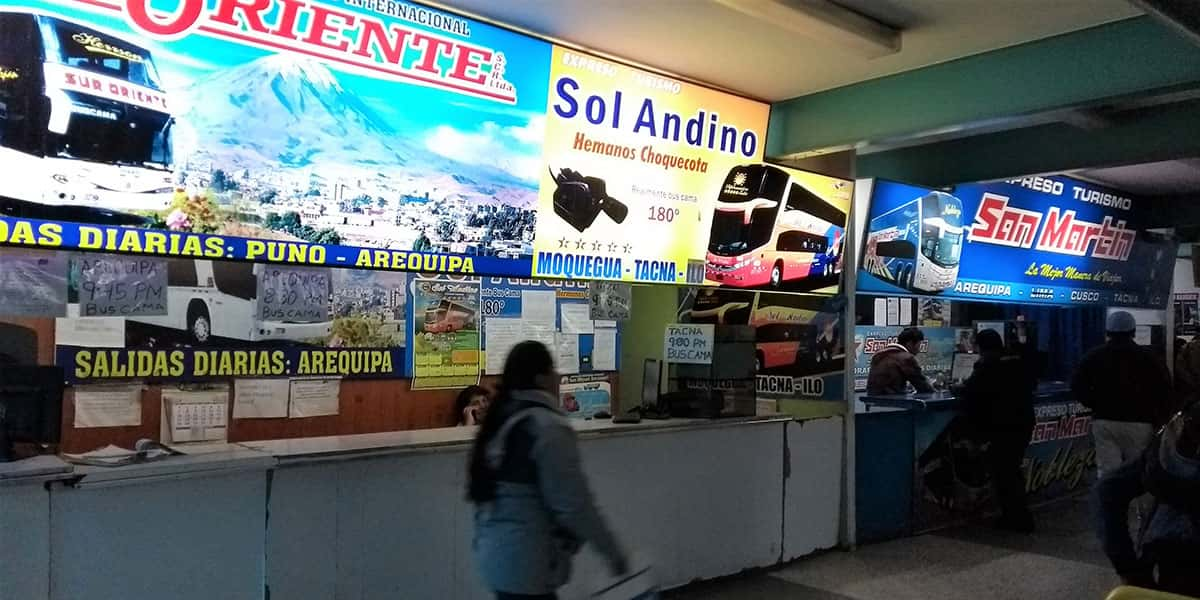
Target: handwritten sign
[294,295]
[689,344]
[33,284]
[121,286]
[610,301]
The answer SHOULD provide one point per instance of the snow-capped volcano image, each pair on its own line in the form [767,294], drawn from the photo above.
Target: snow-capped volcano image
[285,134]
[290,110]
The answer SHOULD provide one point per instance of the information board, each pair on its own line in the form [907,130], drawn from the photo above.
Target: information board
[1048,240]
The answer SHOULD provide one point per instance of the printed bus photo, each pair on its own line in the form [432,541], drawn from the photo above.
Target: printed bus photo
[768,230]
[85,126]
[219,299]
[917,245]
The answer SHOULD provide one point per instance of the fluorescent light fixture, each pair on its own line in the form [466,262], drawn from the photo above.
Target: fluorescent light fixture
[825,21]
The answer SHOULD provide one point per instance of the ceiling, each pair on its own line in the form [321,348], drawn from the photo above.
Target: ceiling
[710,42]
[1166,178]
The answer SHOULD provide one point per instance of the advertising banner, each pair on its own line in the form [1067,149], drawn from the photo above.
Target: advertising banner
[387,136]
[952,480]
[226,319]
[632,165]
[1062,455]
[446,347]
[380,125]
[936,356]
[1048,240]
[799,352]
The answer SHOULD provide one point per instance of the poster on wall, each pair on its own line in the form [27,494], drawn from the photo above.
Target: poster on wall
[446,345]
[33,284]
[633,163]
[228,319]
[1049,240]
[936,355]
[582,396]
[799,353]
[407,130]
[554,312]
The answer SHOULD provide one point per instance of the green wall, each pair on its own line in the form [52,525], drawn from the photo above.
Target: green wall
[642,337]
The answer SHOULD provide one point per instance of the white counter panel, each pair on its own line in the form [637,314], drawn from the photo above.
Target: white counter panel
[814,489]
[24,541]
[700,503]
[184,537]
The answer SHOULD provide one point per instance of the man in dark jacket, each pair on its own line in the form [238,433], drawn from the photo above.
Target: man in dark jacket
[896,364]
[1128,389]
[999,405]
[1169,470]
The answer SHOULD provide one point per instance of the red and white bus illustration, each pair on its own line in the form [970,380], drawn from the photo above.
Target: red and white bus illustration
[769,230]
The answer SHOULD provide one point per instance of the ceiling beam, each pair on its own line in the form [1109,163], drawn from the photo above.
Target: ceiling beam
[825,21]
[1108,64]
[1155,134]
[1180,15]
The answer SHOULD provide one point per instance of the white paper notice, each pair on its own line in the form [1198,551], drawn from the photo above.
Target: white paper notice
[314,398]
[501,335]
[1142,336]
[906,311]
[539,332]
[576,318]
[893,311]
[604,350]
[881,312]
[567,360]
[538,305]
[196,416]
[108,406]
[90,332]
[260,398]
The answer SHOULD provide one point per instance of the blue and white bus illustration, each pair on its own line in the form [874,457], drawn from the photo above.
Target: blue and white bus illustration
[917,246]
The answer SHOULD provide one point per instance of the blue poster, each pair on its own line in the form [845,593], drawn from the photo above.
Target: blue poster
[1047,240]
[373,125]
[936,355]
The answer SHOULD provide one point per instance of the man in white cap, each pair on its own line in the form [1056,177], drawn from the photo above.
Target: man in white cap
[1128,389]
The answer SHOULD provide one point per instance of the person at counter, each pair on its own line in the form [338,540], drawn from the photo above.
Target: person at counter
[534,508]
[896,365]
[471,405]
[999,404]
[1128,389]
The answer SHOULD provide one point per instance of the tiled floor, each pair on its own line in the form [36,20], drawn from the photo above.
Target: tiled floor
[1062,561]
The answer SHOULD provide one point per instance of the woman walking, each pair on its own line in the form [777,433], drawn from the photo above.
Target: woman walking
[534,509]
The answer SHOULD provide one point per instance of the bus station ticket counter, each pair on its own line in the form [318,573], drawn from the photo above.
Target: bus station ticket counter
[918,470]
[384,515]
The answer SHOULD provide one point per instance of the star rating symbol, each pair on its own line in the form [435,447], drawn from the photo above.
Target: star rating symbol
[579,244]
[595,246]
[612,247]
[628,249]
[562,243]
